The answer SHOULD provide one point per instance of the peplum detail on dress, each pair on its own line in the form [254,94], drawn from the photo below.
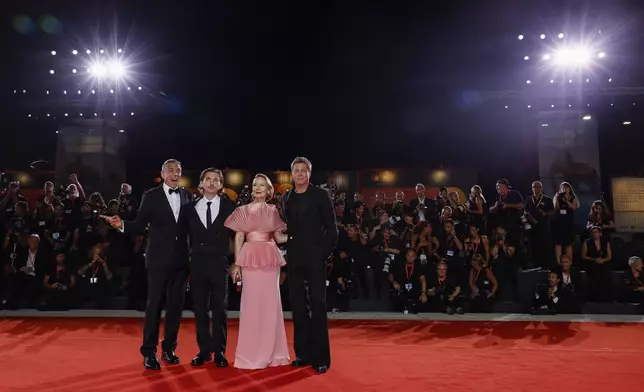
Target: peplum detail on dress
[258,221]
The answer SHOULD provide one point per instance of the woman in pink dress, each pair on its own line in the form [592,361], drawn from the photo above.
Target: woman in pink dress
[262,336]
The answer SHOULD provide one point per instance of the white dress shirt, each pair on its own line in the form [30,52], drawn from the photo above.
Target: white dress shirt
[202,208]
[31,262]
[174,200]
[421,215]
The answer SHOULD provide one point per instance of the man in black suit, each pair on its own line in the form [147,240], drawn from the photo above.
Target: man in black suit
[210,246]
[312,236]
[166,259]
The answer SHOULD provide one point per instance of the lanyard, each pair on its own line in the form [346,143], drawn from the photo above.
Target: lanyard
[409,271]
[95,269]
[451,241]
[536,203]
[441,283]
[475,248]
[59,269]
[385,241]
[359,222]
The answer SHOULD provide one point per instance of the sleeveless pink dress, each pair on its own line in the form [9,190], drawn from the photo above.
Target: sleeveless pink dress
[262,336]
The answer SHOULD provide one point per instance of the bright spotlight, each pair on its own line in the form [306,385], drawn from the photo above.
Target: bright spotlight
[99,70]
[120,50]
[546,57]
[88,51]
[93,91]
[74,70]
[140,88]
[121,130]
[66,114]
[529,106]
[101,51]
[64,92]
[116,69]
[551,81]
[528,82]
[53,52]
[79,92]
[47,92]
[542,36]
[572,57]
[561,35]
[586,118]
[111,91]
[131,113]
[520,37]
[601,55]
[526,58]
[113,114]
[627,123]
[74,52]
[95,114]
[610,80]
[51,71]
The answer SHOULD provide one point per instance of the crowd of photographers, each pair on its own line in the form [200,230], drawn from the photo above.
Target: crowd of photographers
[438,255]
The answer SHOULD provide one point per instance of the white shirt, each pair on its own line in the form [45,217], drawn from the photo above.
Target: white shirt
[31,262]
[421,215]
[202,209]
[174,200]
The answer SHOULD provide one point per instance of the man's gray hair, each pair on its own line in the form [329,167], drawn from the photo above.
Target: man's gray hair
[302,160]
[171,161]
[633,259]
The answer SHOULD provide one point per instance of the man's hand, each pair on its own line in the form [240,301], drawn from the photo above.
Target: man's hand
[423,298]
[432,291]
[235,273]
[396,286]
[73,178]
[114,221]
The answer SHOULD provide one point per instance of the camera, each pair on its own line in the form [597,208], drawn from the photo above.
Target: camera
[524,222]
[500,237]
[388,259]
[245,196]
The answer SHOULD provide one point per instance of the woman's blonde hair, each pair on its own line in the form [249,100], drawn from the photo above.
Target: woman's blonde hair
[271,189]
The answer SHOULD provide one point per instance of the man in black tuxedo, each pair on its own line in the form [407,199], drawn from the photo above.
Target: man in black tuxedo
[210,246]
[166,259]
[312,236]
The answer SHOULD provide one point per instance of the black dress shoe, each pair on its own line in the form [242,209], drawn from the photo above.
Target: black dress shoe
[151,363]
[321,369]
[170,357]
[199,360]
[299,362]
[220,360]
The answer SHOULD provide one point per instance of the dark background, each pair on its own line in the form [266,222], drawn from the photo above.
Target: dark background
[349,84]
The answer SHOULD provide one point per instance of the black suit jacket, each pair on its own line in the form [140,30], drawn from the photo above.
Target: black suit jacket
[313,232]
[206,244]
[167,245]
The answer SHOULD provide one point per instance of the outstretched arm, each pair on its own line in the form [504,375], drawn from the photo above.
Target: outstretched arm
[138,224]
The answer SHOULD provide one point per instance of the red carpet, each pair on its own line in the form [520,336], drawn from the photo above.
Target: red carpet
[86,355]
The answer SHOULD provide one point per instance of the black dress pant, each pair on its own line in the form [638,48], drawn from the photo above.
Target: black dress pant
[165,285]
[209,286]
[307,288]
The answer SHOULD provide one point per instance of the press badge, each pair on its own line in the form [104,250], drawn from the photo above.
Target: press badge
[41,223]
[68,211]
[93,280]
[563,212]
[327,283]
[450,253]
[55,236]
[408,286]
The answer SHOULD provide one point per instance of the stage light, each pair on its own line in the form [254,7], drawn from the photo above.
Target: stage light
[93,91]
[101,51]
[56,131]
[573,56]
[64,92]
[586,118]
[528,82]
[569,105]
[120,50]
[544,125]
[506,106]
[88,51]
[561,35]
[128,88]
[74,52]
[24,91]
[51,71]
[551,81]
[47,114]
[131,113]
[116,69]
[633,103]
[588,105]
[529,106]
[526,58]
[627,123]
[113,114]
[111,91]
[542,36]
[28,115]
[570,81]
[611,105]
[587,80]
[140,88]
[47,92]
[520,37]
[99,70]
[80,114]
[53,52]
[610,80]
[74,70]
[66,114]
[601,55]
[121,130]
[546,56]
[552,106]
[79,92]
[95,114]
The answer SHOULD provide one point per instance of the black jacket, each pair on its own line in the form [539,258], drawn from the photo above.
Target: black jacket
[167,245]
[213,242]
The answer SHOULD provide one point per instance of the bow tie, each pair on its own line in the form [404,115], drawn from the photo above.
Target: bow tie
[171,191]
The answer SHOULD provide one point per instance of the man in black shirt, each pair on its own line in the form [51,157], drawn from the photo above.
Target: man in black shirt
[312,237]
[508,209]
[408,280]
[443,291]
[539,208]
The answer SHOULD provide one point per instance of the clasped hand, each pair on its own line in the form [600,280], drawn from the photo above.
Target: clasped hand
[114,221]
[235,273]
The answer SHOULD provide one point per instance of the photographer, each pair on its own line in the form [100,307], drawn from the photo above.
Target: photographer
[59,283]
[508,210]
[548,296]
[572,286]
[95,278]
[11,197]
[409,284]
[443,291]
[127,205]
[386,248]
[563,223]
[424,209]
[483,285]
[19,224]
[598,255]
[354,248]
[59,234]
[538,209]
[505,265]
[450,250]
[338,283]
[25,272]
[425,243]
[73,202]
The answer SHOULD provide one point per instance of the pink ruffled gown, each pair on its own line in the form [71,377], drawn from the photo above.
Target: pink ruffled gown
[262,336]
